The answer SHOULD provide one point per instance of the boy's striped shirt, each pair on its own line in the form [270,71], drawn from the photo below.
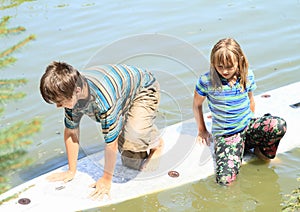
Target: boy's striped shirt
[112,88]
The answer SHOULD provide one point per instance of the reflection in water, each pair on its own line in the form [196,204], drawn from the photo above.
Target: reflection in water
[14,137]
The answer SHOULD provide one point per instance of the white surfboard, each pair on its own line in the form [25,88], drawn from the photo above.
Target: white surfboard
[183,161]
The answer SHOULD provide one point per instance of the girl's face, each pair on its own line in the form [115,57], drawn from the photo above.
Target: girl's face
[228,72]
[226,64]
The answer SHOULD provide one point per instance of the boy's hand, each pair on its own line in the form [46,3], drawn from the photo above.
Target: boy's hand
[204,138]
[102,188]
[62,176]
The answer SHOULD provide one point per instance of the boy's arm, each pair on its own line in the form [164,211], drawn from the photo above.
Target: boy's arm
[103,185]
[71,137]
[110,160]
[203,134]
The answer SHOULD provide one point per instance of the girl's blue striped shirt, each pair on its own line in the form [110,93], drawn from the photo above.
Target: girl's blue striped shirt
[229,106]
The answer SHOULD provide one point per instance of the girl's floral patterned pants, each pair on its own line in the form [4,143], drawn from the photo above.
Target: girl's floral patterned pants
[264,133]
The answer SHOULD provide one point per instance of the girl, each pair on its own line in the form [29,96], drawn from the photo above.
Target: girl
[228,88]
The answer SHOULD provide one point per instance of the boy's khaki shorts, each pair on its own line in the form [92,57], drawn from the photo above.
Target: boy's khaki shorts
[139,133]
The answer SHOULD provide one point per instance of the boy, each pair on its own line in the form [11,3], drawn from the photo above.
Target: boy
[124,99]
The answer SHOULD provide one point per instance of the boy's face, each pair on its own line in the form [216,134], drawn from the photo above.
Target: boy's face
[67,103]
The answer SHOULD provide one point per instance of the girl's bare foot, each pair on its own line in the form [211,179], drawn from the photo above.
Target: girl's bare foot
[260,155]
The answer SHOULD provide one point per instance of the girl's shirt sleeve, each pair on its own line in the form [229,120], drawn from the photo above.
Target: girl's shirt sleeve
[251,85]
[202,85]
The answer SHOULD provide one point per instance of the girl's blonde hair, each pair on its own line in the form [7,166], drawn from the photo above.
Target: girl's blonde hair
[227,52]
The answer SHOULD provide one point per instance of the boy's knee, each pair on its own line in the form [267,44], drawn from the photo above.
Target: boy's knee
[133,160]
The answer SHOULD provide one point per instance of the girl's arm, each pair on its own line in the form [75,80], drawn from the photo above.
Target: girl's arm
[203,134]
[252,102]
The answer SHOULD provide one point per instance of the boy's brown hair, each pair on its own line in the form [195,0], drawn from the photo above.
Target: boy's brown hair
[59,82]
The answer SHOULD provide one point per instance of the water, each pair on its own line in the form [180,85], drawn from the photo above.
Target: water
[259,188]
[74,31]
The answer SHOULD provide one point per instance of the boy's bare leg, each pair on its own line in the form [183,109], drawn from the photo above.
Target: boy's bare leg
[152,161]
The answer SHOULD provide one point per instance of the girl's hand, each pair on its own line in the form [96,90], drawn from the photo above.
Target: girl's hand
[102,188]
[204,138]
[63,176]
